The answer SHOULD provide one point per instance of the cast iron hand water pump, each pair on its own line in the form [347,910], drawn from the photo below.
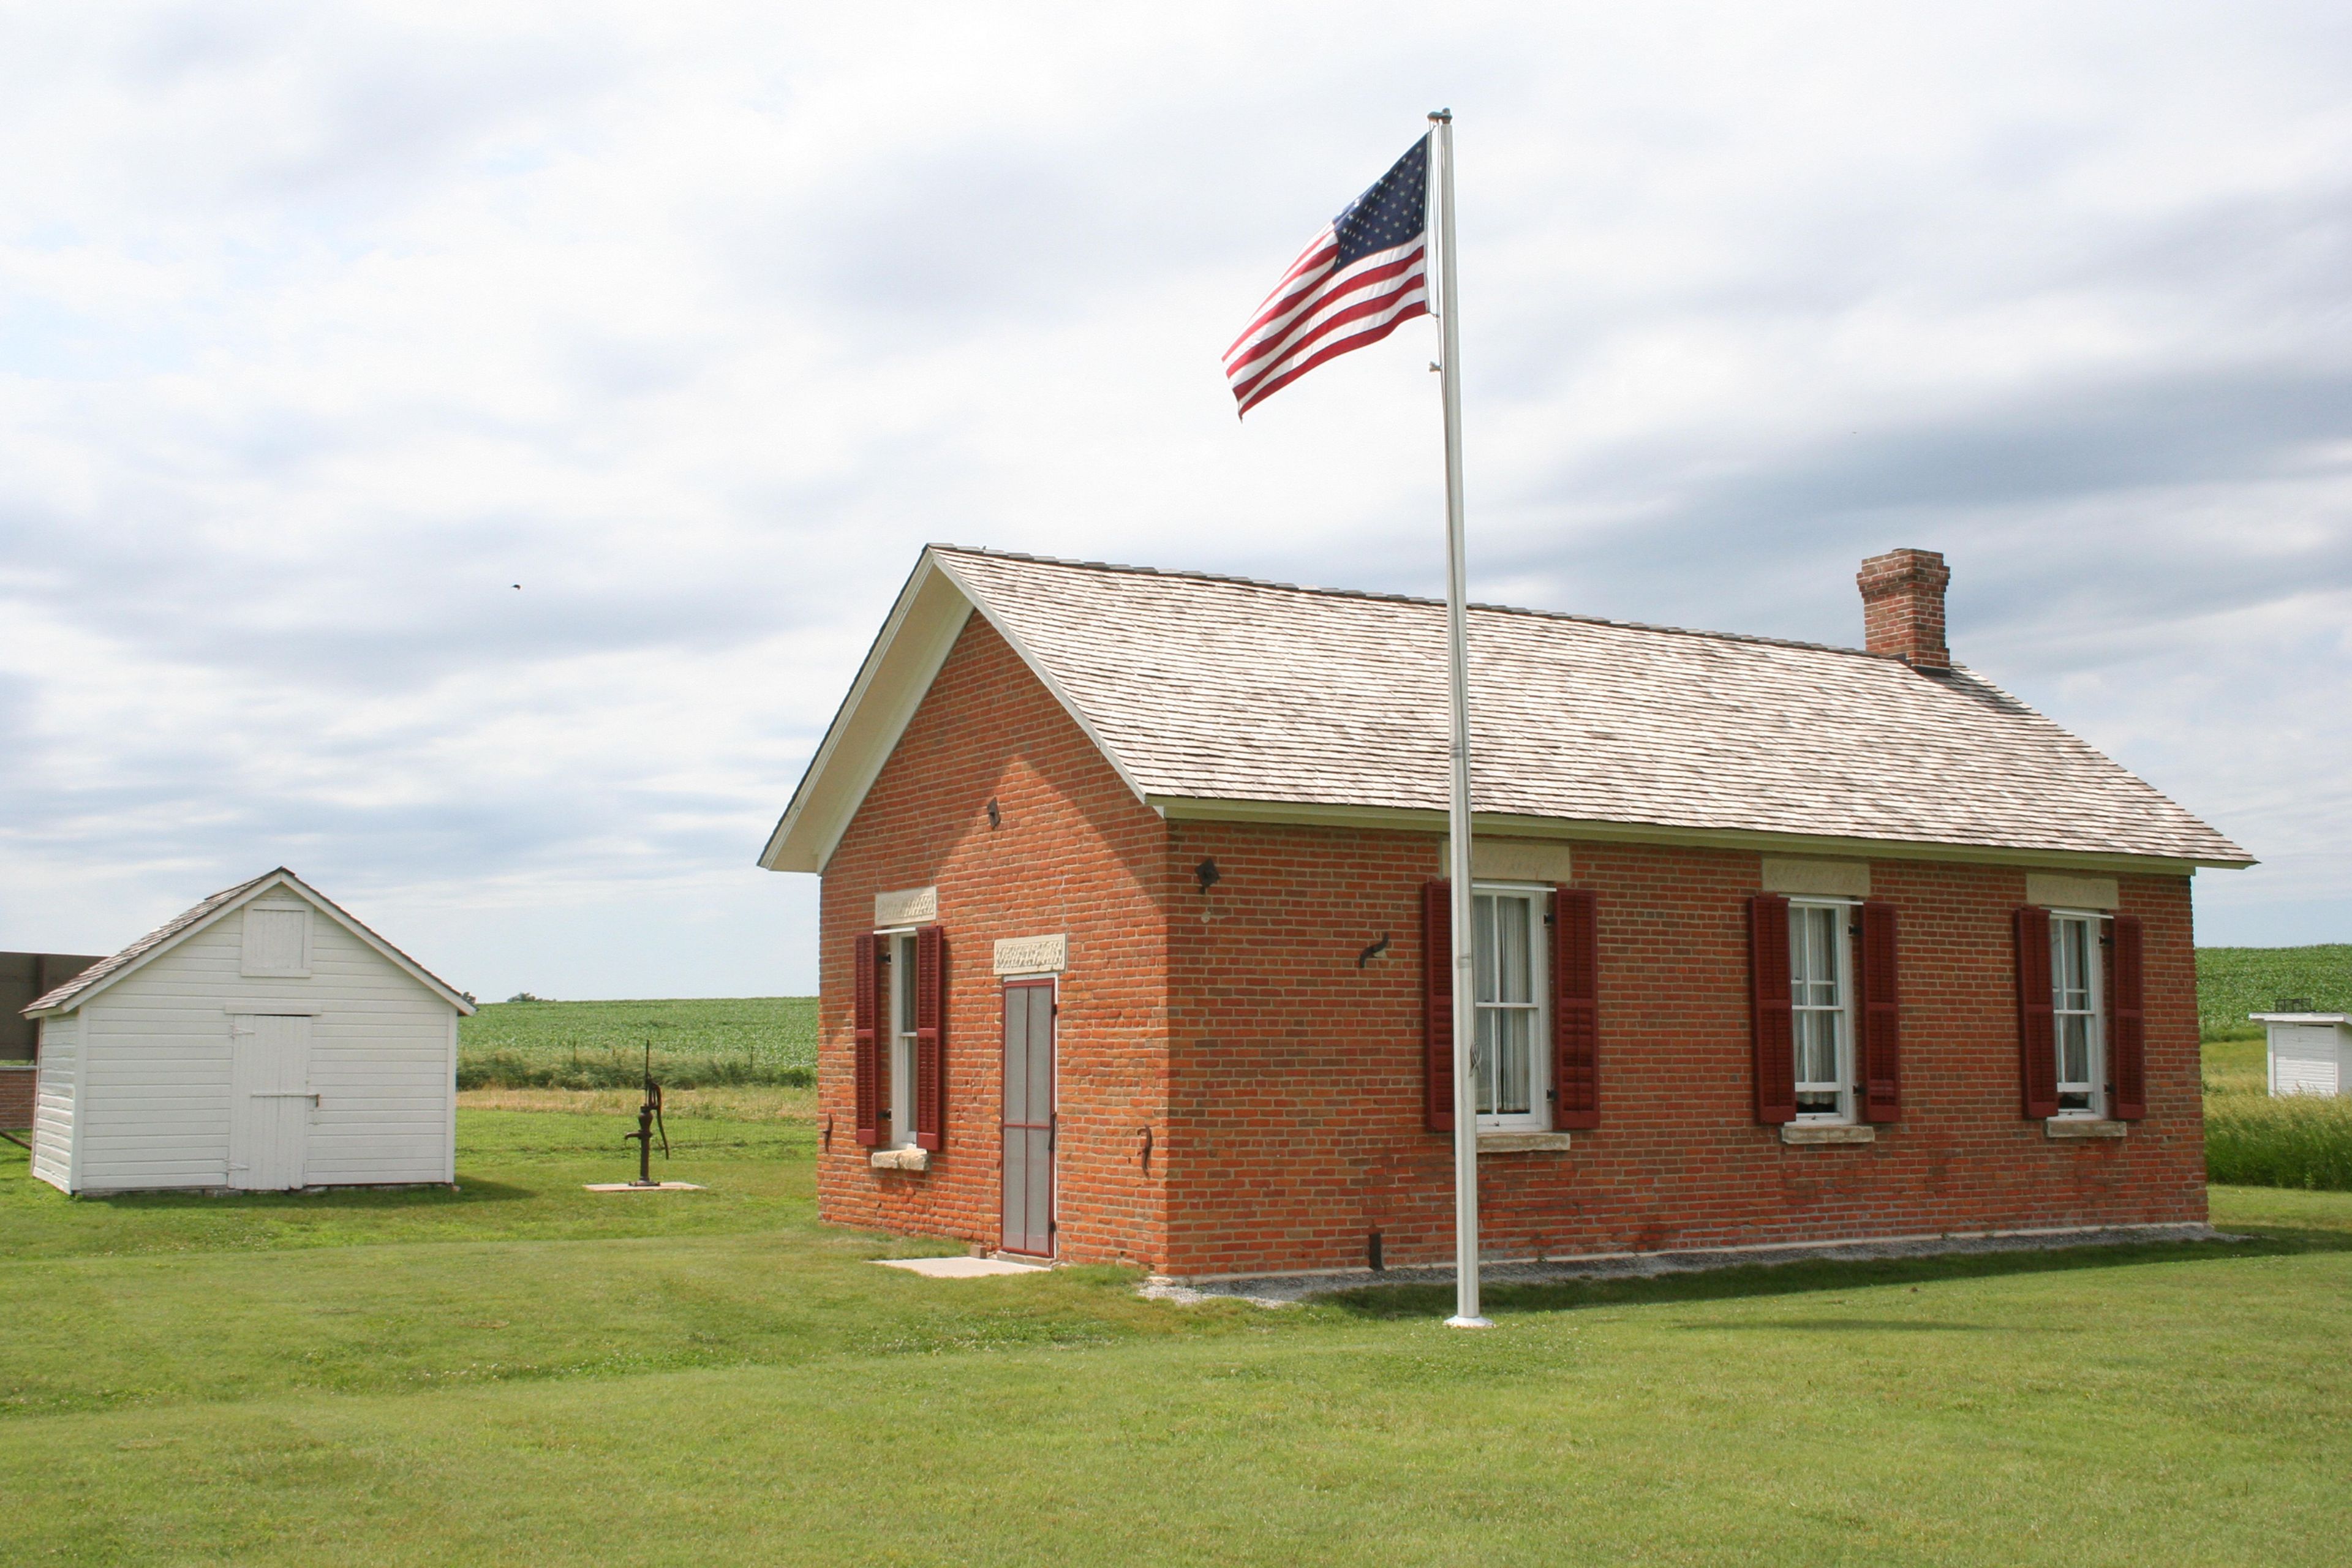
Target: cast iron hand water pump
[649,1127]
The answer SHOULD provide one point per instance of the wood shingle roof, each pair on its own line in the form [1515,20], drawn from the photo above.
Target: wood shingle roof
[1204,688]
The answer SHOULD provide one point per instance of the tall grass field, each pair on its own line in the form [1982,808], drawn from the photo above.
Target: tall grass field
[2252,1138]
[699,1042]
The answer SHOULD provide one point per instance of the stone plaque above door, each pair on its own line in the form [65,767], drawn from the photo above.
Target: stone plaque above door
[1032,954]
[912,907]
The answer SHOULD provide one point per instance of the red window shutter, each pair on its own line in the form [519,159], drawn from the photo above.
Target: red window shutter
[1774,1017]
[1575,1008]
[1437,1002]
[868,1011]
[930,1028]
[2037,1025]
[2126,1028]
[1881,1017]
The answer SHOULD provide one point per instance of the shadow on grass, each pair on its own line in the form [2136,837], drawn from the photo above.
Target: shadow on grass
[327,1200]
[1499,1299]
[2278,1238]
[1841,1326]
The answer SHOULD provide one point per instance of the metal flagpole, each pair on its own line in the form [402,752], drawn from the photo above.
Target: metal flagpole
[1465,1007]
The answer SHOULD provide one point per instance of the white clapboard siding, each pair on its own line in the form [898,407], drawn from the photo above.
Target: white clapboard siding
[156,1108]
[2303,1058]
[53,1102]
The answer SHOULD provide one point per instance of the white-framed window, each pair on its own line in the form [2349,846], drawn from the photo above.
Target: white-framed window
[1821,995]
[2077,1012]
[1511,977]
[900,952]
[276,941]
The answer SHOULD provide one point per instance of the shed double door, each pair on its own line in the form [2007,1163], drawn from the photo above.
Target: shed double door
[1029,1117]
[270,1101]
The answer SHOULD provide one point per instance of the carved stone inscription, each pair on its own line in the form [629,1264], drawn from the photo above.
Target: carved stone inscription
[1032,954]
[912,907]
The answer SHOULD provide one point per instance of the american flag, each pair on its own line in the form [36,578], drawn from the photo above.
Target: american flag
[1354,282]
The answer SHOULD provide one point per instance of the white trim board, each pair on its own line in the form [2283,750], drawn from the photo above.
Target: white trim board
[1313,814]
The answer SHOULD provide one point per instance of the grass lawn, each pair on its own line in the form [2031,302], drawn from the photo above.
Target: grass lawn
[523,1373]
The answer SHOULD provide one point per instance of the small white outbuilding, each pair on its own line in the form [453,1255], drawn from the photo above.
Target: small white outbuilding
[264,1040]
[2309,1051]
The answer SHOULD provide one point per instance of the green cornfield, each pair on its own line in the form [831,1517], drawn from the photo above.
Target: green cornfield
[2232,981]
[699,1042]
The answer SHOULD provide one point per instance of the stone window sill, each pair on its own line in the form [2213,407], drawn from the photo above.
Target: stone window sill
[2083,1127]
[902,1158]
[1827,1132]
[1522,1142]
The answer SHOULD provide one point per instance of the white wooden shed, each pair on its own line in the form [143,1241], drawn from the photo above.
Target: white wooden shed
[2309,1051]
[263,1040]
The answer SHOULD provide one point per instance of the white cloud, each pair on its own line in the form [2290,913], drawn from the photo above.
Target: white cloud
[320,329]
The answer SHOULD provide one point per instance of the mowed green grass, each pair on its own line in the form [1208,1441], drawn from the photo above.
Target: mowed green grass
[525,1373]
[697,1042]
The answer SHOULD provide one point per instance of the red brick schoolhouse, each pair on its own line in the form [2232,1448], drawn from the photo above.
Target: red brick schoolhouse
[1134,931]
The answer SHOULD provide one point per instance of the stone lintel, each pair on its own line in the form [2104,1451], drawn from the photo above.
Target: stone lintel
[2084,1127]
[1522,1142]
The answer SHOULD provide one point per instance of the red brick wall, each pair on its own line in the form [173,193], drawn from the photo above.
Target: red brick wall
[1077,854]
[1283,1082]
[1296,1088]
[16,1095]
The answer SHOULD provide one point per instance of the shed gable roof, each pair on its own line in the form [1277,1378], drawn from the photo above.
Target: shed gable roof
[1205,689]
[106,971]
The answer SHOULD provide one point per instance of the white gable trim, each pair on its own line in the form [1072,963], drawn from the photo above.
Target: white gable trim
[907,657]
[271,883]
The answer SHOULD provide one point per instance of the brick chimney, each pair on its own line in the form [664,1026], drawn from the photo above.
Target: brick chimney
[1903,606]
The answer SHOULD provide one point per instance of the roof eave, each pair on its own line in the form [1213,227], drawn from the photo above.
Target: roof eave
[907,655]
[1506,824]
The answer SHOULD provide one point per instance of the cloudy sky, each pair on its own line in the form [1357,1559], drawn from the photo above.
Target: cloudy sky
[462,452]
